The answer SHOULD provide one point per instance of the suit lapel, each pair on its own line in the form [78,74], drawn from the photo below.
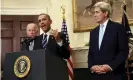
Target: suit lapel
[38,42]
[50,41]
[105,34]
[97,38]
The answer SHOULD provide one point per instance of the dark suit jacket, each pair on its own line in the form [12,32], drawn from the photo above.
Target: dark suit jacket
[52,45]
[114,47]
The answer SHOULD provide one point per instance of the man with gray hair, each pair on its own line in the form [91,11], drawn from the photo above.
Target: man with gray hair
[108,49]
[31,31]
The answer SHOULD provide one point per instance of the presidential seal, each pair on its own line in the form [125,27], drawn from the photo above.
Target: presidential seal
[22,66]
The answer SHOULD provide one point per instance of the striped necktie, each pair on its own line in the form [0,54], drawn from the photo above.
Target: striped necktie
[44,41]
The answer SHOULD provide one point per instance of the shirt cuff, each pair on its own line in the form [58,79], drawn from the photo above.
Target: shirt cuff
[60,43]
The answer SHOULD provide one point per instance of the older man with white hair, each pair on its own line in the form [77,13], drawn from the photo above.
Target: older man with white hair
[108,46]
[31,31]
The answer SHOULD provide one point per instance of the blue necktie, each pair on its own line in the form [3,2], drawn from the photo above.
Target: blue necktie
[101,33]
[44,41]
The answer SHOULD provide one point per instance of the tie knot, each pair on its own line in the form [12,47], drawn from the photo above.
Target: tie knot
[44,36]
[101,25]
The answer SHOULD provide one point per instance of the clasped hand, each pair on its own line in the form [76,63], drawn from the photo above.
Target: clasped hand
[101,69]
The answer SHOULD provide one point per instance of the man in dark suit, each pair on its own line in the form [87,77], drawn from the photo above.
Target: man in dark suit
[51,39]
[108,49]
[28,43]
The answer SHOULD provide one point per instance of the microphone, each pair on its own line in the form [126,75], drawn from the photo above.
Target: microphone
[27,40]
[30,40]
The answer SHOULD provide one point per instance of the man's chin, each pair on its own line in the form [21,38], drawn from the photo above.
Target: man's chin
[31,36]
[45,30]
[97,21]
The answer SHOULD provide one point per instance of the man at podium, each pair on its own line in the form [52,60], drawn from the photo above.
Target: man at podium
[51,39]
[40,63]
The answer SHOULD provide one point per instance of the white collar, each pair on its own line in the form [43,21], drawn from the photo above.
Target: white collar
[105,23]
[48,33]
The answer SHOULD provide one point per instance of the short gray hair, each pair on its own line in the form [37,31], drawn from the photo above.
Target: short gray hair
[105,7]
[32,24]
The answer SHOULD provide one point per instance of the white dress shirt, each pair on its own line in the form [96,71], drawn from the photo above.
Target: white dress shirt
[105,24]
[31,45]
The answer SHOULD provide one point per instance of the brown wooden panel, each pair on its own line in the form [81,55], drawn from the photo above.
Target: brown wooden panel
[7,33]
[16,44]
[26,18]
[6,18]
[6,46]
[23,24]
[19,17]
[6,25]
[23,33]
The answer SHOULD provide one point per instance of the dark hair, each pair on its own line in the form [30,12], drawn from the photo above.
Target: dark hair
[46,15]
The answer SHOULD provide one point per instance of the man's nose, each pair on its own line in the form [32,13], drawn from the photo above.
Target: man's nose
[42,22]
[94,14]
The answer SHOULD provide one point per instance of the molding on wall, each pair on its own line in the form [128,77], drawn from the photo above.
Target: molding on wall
[80,48]
[80,57]
[23,11]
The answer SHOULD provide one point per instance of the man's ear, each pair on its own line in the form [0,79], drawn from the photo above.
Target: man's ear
[50,21]
[106,13]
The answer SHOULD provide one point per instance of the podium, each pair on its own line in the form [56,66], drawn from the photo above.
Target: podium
[44,65]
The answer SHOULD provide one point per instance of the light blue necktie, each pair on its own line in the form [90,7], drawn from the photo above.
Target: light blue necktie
[101,33]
